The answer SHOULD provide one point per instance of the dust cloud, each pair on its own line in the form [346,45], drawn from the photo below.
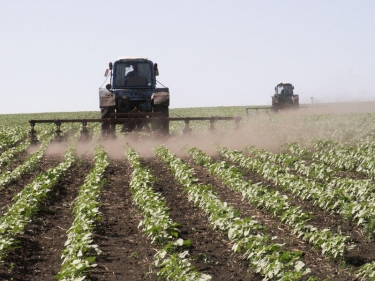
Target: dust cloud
[340,108]
[268,131]
[56,148]
[263,130]
[32,149]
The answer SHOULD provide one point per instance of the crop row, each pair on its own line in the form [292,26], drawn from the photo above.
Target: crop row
[159,227]
[358,189]
[30,164]
[352,199]
[359,157]
[332,245]
[267,258]
[9,155]
[79,251]
[26,203]
[306,189]
[9,136]
[294,184]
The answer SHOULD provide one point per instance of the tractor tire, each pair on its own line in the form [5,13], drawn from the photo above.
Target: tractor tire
[161,126]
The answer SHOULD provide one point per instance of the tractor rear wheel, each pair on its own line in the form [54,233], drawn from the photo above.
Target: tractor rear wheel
[161,125]
[107,127]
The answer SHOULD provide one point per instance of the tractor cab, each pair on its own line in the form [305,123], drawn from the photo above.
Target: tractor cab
[284,89]
[134,73]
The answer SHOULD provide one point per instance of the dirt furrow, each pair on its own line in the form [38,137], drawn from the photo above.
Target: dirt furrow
[126,253]
[211,249]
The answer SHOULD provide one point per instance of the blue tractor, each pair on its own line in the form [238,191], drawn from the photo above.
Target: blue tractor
[133,98]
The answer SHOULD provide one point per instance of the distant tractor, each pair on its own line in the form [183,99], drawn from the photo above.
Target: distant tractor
[284,98]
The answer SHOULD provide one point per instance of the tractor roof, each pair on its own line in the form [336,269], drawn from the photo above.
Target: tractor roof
[132,58]
[284,83]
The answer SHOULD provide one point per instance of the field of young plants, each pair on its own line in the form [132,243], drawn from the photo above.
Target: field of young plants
[287,196]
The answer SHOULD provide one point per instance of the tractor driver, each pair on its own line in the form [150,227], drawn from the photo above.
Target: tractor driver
[130,74]
[132,77]
[130,71]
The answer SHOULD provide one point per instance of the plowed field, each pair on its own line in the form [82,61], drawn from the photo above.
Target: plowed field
[303,168]
[127,254]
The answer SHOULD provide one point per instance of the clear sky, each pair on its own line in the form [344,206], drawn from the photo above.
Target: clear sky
[53,54]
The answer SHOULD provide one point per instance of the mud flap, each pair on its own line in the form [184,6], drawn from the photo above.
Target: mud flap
[106,98]
[160,97]
[160,101]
